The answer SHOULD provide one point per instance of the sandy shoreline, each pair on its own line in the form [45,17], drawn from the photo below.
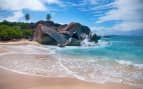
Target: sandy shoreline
[2,50]
[13,80]
[14,43]
[20,42]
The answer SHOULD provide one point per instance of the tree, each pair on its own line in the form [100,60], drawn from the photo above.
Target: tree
[48,17]
[27,17]
[27,33]
[10,32]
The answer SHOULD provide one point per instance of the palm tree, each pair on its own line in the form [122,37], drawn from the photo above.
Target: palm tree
[48,17]
[27,17]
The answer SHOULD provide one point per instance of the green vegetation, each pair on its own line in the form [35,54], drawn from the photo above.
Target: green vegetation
[27,33]
[18,30]
[14,31]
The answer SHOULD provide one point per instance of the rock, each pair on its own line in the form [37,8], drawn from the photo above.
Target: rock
[48,35]
[74,30]
[58,34]
[94,38]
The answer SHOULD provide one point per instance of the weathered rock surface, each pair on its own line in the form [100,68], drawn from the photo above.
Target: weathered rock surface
[51,33]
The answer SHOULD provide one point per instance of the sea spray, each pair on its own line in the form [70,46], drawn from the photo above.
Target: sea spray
[86,42]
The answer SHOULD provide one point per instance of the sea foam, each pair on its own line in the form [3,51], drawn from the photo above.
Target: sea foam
[87,68]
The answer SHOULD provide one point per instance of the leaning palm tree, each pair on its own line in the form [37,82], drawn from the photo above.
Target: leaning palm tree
[27,17]
[48,17]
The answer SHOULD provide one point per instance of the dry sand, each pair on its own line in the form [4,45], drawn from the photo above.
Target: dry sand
[20,42]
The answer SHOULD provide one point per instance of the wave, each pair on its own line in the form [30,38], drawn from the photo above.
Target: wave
[100,44]
[87,68]
[129,63]
[99,71]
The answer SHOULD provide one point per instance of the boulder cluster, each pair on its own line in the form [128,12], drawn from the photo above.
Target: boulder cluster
[48,32]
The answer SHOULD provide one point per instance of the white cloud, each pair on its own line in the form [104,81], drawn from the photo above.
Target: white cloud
[129,12]
[92,2]
[100,30]
[15,17]
[16,6]
[128,26]
[20,5]
[37,5]
[58,2]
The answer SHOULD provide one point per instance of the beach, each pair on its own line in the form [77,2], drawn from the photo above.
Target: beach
[71,44]
[22,66]
[12,80]
[19,42]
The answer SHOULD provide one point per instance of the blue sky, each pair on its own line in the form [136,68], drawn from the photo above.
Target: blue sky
[102,16]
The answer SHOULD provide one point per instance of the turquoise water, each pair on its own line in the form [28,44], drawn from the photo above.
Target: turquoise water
[117,59]
[114,59]
[120,48]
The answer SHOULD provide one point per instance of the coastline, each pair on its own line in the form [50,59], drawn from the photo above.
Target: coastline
[11,80]
[19,42]
[15,80]
[2,50]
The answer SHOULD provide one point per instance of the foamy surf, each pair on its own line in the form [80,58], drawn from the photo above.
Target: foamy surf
[129,63]
[87,68]
[103,71]
[83,70]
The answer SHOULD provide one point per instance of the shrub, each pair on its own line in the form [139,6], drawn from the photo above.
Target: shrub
[9,33]
[27,33]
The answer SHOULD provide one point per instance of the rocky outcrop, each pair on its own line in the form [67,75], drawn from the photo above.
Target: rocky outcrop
[93,37]
[74,30]
[48,32]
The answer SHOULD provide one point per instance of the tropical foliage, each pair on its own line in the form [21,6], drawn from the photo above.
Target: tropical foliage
[12,31]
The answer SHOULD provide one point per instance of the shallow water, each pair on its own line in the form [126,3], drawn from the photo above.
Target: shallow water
[121,61]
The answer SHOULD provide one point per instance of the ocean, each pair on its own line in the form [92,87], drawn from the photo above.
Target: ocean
[115,59]
[118,48]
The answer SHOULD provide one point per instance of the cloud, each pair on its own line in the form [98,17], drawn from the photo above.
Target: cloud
[85,2]
[16,6]
[100,30]
[58,2]
[20,5]
[129,12]
[95,7]
[128,26]
[15,17]
[37,5]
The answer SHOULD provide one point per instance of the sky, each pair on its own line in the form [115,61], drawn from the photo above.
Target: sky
[102,16]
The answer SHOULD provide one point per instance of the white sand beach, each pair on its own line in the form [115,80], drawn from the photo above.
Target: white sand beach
[20,78]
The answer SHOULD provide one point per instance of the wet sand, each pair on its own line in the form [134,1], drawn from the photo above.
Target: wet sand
[14,80]
[2,50]
[11,80]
